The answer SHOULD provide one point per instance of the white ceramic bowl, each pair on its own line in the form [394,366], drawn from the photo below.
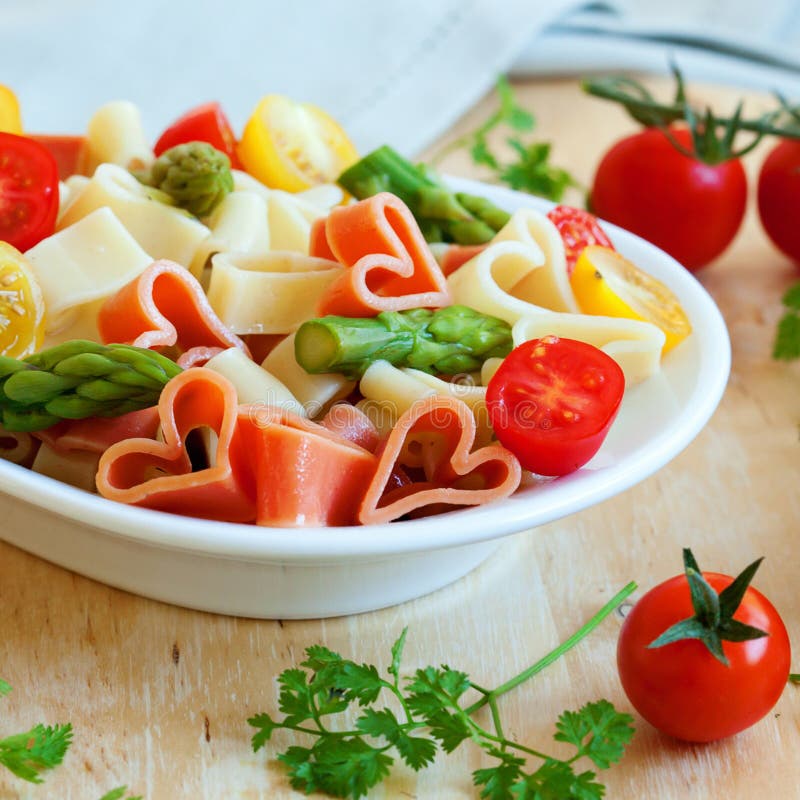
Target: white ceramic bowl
[318,572]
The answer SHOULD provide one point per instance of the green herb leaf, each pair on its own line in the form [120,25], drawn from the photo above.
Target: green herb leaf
[598,731]
[118,794]
[496,782]
[348,763]
[787,339]
[41,748]
[511,113]
[379,723]
[794,677]
[4,688]
[265,725]
[416,751]
[397,654]
[533,173]
[341,767]
[530,171]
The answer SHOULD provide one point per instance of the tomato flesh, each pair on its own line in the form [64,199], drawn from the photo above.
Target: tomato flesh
[552,402]
[578,229]
[779,197]
[205,123]
[28,191]
[689,209]
[684,691]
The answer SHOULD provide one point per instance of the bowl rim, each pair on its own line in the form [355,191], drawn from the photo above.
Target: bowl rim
[462,527]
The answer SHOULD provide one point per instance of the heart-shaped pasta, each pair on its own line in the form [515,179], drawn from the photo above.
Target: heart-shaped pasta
[158,474]
[164,307]
[433,440]
[391,267]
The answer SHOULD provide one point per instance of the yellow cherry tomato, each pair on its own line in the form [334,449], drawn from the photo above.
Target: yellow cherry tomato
[293,146]
[10,118]
[21,305]
[606,283]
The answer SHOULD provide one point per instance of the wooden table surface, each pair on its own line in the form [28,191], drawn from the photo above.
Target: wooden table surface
[158,696]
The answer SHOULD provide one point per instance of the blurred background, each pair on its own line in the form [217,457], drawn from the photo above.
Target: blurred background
[402,71]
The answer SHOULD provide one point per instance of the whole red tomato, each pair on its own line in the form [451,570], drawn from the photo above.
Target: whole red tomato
[779,197]
[684,206]
[682,688]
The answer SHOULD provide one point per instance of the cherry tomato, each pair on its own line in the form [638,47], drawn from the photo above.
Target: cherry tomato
[28,191]
[21,305]
[294,146]
[578,230]
[779,197]
[552,401]
[681,688]
[688,208]
[206,123]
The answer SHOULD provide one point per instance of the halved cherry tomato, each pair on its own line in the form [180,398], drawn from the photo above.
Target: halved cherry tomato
[607,284]
[21,305]
[28,191]
[68,151]
[552,402]
[206,123]
[294,146]
[10,118]
[578,230]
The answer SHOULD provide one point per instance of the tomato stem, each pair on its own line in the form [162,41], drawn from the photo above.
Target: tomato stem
[794,677]
[554,655]
[708,146]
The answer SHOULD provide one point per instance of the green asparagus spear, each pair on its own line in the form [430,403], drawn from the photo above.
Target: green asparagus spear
[448,341]
[442,215]
[195,175]
[79,379]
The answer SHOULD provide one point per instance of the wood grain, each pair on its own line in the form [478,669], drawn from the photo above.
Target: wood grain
[159,695]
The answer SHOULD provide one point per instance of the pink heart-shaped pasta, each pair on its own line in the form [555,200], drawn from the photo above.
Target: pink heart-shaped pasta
[391,267]
[432,445]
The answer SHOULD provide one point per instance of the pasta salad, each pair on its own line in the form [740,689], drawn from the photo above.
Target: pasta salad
[276,331]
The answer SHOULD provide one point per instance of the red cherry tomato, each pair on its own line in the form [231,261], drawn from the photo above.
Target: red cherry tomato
[578,230]
[28,191]
[688,208]
[779,197]
[552,401]
[681,688]
[206,123]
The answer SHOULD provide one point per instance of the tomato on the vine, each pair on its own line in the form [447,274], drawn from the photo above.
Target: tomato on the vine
[552,401]
[703,656]
[579,229]
[688,208]
[779,197]
[28,191]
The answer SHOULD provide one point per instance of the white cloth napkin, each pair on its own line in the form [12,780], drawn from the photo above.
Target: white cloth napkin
[739,42]
[389,71]
[397,71]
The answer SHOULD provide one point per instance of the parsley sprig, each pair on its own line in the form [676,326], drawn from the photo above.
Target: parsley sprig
[30,753]
[41,748]
[787,339]
[531,170]
[431,713]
